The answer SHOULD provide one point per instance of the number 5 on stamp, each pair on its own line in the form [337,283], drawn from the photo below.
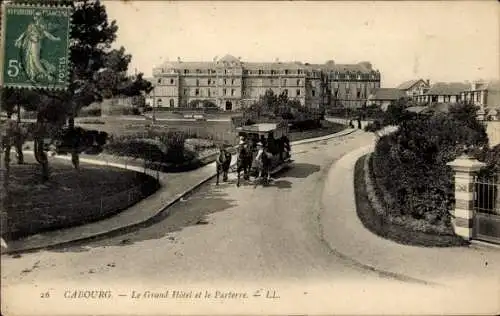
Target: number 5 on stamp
[35,46]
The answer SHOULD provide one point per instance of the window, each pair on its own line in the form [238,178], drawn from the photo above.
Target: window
[159,102]
[197,82]
[185,91]
[313,92]
[198,71]
[186,71]
[208,92]
[272,81]
[298,82]
[478,97]
[197,91]
[209,81]
[286,71]
[171,81]
[224,91]
[232,82]
[298,92]
[359,94]
[225,81]
[172,103]
[225,71]
[260,72]
[272,72]
[232,92]
[285,91]
[284,82]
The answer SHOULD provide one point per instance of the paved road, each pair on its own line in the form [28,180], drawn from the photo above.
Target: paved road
[238,236]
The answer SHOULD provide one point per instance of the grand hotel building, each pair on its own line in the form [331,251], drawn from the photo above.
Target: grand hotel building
[231,83]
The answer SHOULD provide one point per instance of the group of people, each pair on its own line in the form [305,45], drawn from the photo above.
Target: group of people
[254,155]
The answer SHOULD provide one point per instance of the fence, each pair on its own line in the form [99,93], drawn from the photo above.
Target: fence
[487,197]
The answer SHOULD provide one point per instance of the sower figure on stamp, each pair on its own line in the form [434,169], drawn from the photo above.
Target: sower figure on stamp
[31,43]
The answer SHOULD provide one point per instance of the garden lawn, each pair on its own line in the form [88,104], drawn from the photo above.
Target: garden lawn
[70,197]
[327,128]
[217,131]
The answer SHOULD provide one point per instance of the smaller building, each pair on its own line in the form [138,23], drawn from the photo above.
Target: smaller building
[382,97]
[415,89]
[485,94]
[443,92]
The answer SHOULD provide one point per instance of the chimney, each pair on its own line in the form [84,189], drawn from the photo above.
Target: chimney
[428,82]
[179,60]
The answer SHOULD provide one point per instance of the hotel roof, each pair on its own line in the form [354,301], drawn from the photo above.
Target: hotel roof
[231,61]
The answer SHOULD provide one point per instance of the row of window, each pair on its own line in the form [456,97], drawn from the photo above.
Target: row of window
[284,82]
[210,93]
[331,75]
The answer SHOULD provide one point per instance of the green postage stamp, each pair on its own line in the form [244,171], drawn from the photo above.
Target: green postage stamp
[35,46]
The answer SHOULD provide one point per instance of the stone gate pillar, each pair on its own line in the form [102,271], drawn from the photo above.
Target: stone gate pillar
[465,169]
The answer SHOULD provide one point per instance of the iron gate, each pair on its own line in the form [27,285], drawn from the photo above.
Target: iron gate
[486,224]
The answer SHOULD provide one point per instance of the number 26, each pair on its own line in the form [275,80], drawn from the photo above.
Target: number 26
[13,69]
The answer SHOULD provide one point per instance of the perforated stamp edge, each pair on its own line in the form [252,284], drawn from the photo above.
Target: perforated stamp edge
[3,17]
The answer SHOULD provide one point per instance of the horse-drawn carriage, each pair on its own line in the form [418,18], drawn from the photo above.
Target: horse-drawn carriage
[266,147]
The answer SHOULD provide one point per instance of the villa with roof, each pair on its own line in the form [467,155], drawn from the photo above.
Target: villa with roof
[414,88]
[231,83]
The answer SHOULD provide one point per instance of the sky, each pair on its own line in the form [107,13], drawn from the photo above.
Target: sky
[439,40]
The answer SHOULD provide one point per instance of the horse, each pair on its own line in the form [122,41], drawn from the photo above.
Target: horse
[243,163]
[263,165]
[222,164]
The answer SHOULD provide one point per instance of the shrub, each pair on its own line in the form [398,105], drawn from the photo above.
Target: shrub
[166,147]
[410,164]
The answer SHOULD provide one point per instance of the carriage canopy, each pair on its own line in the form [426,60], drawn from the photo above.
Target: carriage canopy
[277,130]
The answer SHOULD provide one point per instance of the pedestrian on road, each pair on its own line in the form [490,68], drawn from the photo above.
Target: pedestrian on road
[263,161]
[359,122]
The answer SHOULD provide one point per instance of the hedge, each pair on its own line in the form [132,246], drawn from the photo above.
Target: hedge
[409,165]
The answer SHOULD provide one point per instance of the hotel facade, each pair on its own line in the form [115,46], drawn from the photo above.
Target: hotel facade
[232,84]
